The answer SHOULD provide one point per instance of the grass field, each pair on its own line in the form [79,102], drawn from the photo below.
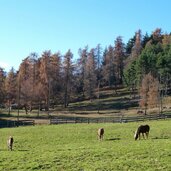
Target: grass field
[75,147]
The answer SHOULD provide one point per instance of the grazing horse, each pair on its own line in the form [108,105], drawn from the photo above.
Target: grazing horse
[10,142]
[100,133]
[141,130]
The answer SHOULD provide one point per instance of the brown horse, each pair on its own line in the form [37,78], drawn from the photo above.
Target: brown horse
[10,142]
[100,133]
[141,130]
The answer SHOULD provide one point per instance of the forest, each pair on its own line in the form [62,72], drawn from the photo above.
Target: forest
[142,65]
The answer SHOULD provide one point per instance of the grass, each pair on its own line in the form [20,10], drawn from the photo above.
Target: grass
[75,147]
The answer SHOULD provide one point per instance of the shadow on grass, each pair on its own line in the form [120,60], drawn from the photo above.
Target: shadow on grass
[117,105]
[12,150]
[160,138]
[22,150]
[112,139]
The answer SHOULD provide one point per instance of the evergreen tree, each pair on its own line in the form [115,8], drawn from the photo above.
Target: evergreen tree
[130,45]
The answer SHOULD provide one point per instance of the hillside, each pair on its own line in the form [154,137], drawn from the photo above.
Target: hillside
[110,104]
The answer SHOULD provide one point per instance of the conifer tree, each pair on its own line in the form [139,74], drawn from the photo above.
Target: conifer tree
[81,64]
[11,87]
[45,77]
[2,85]
[149,92]
[119,55]
[68,76]
[91,79]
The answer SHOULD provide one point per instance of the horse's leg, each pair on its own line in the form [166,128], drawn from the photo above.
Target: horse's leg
[147,134]
[143,135]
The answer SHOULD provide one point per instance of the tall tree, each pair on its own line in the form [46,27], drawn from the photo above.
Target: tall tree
[90,81]
[166,41]
[146,39]
[33,77]
[130,45]
[81,64]
[108,67]
[164,67]
[56,77]
[149,92]
[146,63]
[136,50]
[45,77]
[119,54]
[68,75]
[2,85]
[11,87]
[130,78]
[157,36]
[98,52]
[24,76]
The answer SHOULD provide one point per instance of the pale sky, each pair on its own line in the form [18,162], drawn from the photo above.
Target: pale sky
[58,25]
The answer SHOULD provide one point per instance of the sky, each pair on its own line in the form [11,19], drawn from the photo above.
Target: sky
[28,26]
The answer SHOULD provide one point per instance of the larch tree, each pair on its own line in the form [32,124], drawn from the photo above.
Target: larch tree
[136,49]
[91,79]
[45,77]
[166,41]
[11,87]
[24,77]
[2,85]
[108,67]
[33,77]
[157,36]
[67,76]
[119,54]
[98,52]
[81,65]
[56,77]
[149,92]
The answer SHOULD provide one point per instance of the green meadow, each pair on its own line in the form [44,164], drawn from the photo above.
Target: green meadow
[75,147]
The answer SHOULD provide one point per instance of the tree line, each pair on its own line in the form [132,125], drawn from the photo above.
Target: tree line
[143,64]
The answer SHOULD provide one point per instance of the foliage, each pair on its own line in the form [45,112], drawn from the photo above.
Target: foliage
[52,79]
